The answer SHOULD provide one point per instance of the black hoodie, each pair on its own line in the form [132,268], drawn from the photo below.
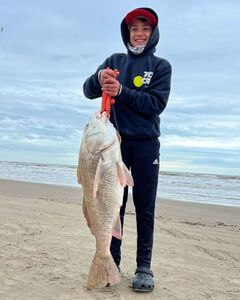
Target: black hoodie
[145,80]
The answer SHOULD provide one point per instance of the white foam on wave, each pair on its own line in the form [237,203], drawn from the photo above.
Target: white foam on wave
[191,187]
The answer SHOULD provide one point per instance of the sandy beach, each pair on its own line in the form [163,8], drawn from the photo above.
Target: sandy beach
[46,248]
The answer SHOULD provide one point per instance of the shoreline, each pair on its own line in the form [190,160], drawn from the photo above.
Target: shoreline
[46,247]
[181,186]
[73,195]
[159,198]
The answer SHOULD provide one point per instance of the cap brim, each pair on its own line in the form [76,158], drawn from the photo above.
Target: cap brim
[140,13]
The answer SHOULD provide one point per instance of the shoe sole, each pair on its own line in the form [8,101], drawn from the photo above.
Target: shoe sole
[142,290]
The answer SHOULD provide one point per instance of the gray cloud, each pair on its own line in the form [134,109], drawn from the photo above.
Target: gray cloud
[49,48]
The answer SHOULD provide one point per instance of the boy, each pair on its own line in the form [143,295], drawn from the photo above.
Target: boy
[141,92]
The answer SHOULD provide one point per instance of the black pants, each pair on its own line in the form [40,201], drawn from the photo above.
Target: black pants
[142,156]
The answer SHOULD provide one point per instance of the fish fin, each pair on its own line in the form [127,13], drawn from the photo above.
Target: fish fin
[103,164]
[128,174]
[117,229]
[103,272]
[87,217]
[97,177]
[124,175]
[121,174]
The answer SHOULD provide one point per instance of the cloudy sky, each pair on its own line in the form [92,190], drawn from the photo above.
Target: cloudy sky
[49,47]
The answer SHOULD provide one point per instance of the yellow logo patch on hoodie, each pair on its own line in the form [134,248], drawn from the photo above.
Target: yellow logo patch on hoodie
[138,80]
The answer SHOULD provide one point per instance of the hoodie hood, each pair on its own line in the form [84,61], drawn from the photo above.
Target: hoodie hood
[154,38]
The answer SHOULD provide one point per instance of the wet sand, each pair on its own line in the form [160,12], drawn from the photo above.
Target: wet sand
[46,248]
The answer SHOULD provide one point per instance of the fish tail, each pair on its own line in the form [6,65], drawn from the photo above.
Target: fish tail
[103,272]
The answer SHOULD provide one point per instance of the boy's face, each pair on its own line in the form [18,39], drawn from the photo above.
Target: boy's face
[140,32]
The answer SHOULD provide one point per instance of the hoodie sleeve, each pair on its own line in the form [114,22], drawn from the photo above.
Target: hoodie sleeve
[92,88]
[153,101]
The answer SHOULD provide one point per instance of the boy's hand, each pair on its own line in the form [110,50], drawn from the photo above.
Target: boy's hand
[106,73]
[110,84]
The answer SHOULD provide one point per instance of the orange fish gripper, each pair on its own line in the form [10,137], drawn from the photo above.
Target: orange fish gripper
[107,100]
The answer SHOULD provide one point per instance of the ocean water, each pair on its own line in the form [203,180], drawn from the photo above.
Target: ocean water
[192,187]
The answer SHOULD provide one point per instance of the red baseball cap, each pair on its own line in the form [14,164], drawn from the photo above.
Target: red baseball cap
[140,13]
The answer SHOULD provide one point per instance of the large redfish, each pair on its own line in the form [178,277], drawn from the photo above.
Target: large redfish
[103,175]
